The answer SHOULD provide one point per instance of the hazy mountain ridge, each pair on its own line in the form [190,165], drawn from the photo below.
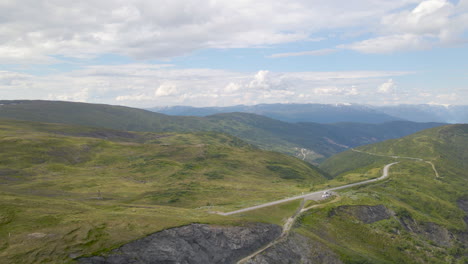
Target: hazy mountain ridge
[333,113]
[318,113]
[309,141]
[429,113]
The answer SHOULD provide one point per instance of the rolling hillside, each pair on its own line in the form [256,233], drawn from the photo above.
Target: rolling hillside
[69,190]
[418,215]
[311,142]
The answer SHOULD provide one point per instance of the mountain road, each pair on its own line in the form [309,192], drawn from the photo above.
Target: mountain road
[314,195]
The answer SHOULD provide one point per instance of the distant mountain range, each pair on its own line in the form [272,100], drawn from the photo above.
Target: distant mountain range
[327,113]
[311,142]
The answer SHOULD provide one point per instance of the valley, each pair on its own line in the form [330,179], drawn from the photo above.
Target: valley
[234,132]
[81,194]
[320,141]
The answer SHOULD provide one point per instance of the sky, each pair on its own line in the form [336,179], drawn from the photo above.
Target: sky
[144,53]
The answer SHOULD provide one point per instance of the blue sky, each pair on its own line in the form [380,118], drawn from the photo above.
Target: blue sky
[218,53]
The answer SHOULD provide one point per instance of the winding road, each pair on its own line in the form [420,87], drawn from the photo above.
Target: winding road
[312,196]
[400,157]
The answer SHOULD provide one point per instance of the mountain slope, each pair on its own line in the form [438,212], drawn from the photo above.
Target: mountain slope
[98,115]
[311,142]
[327,113]
[318,113]
[416,216]
[69,190]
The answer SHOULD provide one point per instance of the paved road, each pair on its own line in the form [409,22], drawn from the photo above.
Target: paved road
[400,157]
[312,196]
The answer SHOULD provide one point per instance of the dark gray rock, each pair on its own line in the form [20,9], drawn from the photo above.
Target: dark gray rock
[195,243]
[434,232]
[463,236]
[296,249]
[463,204]
[365,213]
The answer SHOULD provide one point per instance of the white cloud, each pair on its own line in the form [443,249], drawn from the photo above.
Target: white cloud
[166,89]
[387,87]
[304,53]
[429,17]
[151,85]
[389,44]
[136,97]
[260,81]
[79,96]
[232,87]
[334,91]
[353,91]
[35,31]
[431,23]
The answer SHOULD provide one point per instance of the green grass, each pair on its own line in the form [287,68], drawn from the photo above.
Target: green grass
[412,190]
[276,214]
[68,190]
[323,140]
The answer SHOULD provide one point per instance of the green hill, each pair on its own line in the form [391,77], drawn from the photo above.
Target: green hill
[69,190]
[311,142]
[418,215]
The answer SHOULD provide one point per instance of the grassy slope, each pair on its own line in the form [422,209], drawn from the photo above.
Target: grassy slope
[413,190]
[70,190]
[323,140]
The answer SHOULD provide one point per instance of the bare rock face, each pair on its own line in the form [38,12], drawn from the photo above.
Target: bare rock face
[365,213]
[296,249]
[438,234]
[192,244]
[463,204]
[463,236]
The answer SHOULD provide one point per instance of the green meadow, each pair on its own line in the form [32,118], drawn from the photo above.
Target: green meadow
[67,191]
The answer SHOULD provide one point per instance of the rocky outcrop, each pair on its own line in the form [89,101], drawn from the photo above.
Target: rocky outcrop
[431,231]
[463,236]
[192,244]
[365,213]
[296,249]
[463,204]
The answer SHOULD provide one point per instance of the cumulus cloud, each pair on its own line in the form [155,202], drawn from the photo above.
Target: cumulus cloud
[158,85]
[166,89]
[260,81]
[43,31]
[387,87]
[429,17]
[431,23]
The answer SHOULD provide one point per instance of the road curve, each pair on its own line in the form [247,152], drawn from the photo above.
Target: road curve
[313,194]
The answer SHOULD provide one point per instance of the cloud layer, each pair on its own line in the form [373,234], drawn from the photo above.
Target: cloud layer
[38,31]
[431,23]
[72,37]
[146,85]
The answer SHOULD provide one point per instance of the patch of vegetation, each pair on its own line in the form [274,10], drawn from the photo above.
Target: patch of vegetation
[285,172]
[323,139]
[413,192]
[62,193]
